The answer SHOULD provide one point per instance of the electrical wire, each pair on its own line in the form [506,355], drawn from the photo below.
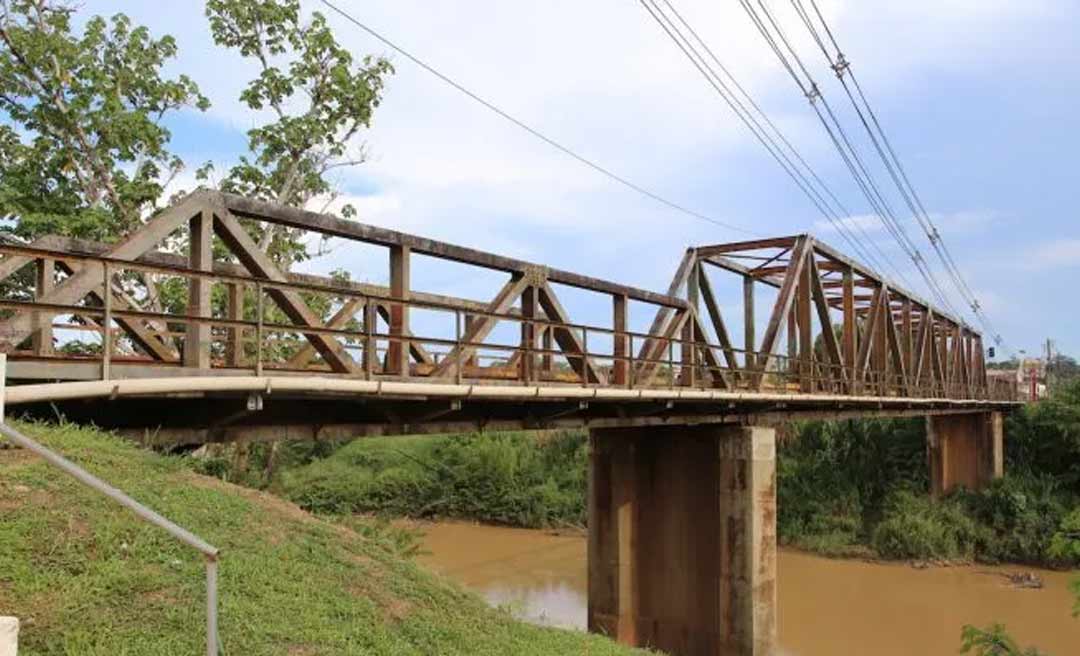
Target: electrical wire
[779,43]
[842,67]
[531,130]
[753,117]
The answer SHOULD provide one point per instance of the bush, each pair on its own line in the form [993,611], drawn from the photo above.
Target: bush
[916,527]
[1044,438]
[835,476]
[1020,515]
[518,479]
[1065,544]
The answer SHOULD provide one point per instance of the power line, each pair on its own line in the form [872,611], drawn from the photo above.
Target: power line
[848,153]
[842,67]
[533,131]
[775,143]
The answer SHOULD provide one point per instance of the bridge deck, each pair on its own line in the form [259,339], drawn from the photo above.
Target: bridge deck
[86,324]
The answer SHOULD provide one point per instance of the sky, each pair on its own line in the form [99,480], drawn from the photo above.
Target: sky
[979,98]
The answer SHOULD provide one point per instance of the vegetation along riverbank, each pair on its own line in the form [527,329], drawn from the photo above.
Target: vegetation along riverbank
[853,488]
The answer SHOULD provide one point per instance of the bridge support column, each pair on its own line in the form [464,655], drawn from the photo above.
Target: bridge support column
[964,449]
[682,538]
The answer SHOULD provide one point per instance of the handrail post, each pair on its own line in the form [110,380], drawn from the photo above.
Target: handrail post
[671,362]
[584,356]
[212,641]
[458,347]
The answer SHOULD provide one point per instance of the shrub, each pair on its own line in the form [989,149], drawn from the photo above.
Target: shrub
[519,479]
[916,527]
[1044,438]
[1065,544]
[1020,515]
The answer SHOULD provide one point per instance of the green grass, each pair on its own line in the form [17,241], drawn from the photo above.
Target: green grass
[531,480]
[88,578]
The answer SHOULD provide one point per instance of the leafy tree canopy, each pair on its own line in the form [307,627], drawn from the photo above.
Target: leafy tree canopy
[318,98]
[83,148]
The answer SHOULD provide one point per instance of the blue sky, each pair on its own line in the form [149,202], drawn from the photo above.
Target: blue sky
[980,99]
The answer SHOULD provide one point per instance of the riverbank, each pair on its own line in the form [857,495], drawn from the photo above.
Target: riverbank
[846,489]
[826,606]
[87,577]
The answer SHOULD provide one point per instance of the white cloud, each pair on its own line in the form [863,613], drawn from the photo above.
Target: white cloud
[603,79]
[1059,253]
[860,224]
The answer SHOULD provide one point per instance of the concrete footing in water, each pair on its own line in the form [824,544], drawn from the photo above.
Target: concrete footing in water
[682,538]
[964,450]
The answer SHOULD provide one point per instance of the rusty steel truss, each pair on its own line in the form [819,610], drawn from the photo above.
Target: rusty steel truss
[850,334]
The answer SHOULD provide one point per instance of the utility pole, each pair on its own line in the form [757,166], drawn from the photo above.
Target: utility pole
[1049,364]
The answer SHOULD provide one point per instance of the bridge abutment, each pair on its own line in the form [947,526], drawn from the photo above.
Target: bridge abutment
[964,449]
[682,538]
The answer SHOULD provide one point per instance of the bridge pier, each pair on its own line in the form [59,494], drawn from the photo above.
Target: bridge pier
[682,538]
[964,449]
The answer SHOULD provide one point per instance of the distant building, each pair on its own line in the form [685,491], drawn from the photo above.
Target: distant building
[1028,378]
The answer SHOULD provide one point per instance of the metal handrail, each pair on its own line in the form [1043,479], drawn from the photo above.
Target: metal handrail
[209,552]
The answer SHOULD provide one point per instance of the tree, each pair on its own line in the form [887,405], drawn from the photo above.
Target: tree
[83,148]
[318,98]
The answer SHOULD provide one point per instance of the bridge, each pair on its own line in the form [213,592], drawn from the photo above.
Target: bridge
[187,332]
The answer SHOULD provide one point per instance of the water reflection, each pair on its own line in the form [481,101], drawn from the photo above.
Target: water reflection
[827,607]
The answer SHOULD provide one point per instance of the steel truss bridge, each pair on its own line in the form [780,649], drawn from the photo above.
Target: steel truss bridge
[219,343]
[247,350]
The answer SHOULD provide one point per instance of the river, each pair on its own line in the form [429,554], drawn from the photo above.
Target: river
[827,607]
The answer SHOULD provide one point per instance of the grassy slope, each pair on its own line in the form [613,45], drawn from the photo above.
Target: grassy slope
[88,578]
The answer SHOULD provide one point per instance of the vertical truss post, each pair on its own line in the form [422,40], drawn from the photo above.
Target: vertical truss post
[528,334]
[907,336]
[688,345]
[200,258]
[398,349]
[749,337]
[792,340]
[851,330]
[45,281]
[621,348]
[806,336]
[880,358]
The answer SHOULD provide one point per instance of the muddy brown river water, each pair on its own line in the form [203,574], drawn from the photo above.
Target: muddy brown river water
[827,607]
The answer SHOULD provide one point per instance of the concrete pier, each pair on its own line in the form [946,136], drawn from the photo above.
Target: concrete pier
[682,538]
[964,449]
